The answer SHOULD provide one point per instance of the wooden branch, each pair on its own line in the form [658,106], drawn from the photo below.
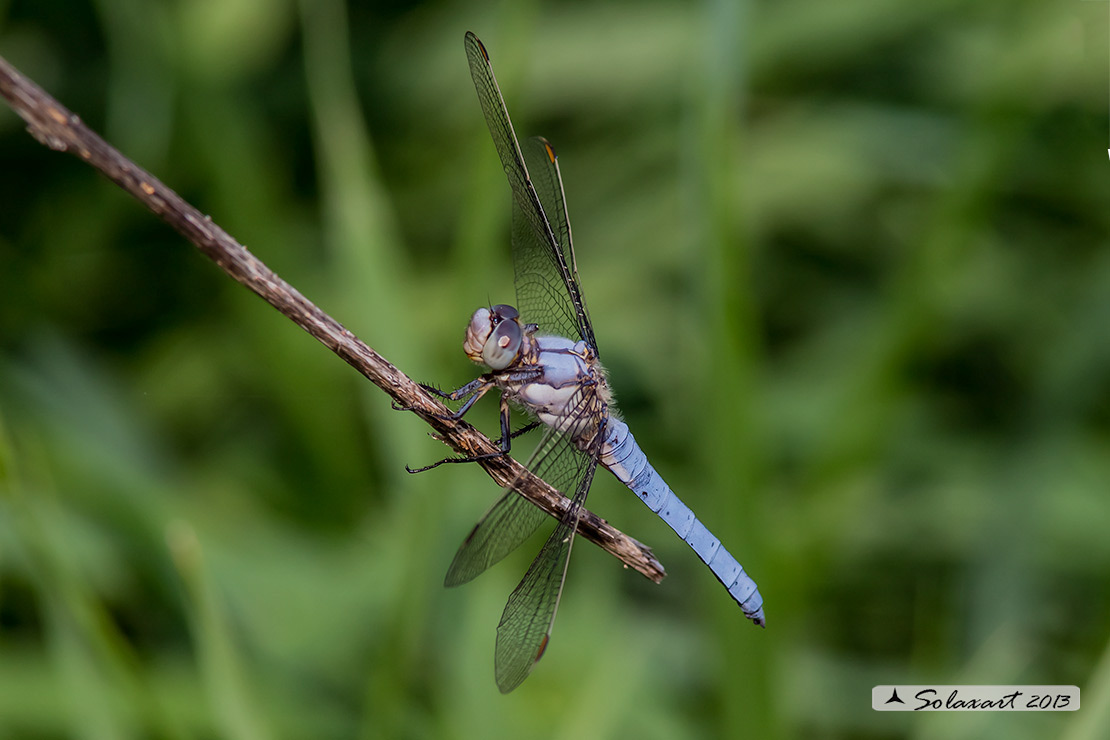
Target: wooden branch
[58,128]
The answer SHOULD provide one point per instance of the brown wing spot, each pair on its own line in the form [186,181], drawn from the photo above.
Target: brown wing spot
[470,536]
[481,46]
[543,646]
[548,148]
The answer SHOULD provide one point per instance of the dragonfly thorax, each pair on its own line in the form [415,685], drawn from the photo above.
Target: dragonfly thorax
[494,336]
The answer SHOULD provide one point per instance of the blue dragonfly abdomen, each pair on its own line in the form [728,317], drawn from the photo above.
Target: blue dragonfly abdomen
[624,459]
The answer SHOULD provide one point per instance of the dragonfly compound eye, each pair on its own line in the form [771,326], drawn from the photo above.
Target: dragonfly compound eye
[505,311]
[503,346]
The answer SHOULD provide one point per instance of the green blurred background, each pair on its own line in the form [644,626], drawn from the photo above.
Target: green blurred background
[848,264]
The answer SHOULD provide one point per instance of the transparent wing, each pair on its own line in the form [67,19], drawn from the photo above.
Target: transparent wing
[503,529]
[545,294]
[513,519]
[526,622]
[548,291]
[530,611]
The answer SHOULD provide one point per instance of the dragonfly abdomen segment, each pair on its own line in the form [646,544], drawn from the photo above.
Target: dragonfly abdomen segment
[624,458]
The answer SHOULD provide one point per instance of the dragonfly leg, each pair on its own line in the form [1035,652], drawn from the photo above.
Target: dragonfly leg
[522,430]
[444,461]
[504,442]
[461,392]
[475,389]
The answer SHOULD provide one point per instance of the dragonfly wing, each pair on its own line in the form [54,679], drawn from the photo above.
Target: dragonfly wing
[526,622]
[546,294]
[542,251]
[504,527]
[513,519]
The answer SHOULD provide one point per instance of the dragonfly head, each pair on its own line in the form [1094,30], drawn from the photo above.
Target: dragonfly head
[494,336]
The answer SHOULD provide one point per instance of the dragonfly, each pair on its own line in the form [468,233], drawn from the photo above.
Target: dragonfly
[550,368]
